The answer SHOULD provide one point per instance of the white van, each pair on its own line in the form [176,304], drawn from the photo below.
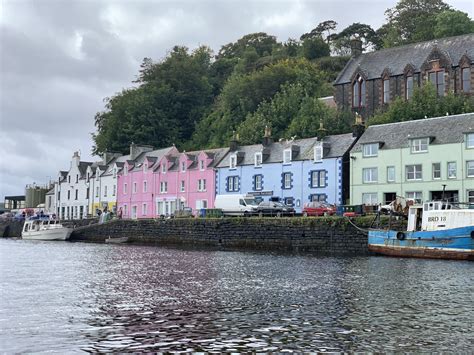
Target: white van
[236,205]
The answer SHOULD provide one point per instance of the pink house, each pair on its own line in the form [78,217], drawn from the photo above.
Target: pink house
[162,181]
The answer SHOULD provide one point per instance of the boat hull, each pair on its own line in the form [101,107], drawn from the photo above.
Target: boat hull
[51,234]
[456,243]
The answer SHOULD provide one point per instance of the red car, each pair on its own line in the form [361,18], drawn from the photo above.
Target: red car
[317,208]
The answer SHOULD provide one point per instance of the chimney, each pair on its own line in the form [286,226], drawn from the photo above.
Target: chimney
[356,47]
[267,137]
[75,159]
[234,142]
[133,151]
[358,127]
[322,132]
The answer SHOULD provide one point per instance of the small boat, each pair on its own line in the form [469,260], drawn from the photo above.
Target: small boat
[118,240]
[435,229]
[45,229]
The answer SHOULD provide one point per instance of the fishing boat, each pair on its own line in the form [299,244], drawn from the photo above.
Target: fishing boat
[116,240]
[45,229]
[436,229]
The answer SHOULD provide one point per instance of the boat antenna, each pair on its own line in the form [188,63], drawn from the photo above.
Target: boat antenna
[444,188]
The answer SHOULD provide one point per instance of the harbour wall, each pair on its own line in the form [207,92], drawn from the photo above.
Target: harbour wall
[327,236]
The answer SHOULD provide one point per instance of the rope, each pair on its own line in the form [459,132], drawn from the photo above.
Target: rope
[357,227]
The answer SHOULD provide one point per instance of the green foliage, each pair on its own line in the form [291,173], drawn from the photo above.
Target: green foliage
[452,23]
[315,47]
[424,104]
[369,38]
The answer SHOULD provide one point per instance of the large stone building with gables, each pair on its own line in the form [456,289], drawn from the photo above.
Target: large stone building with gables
[370,81]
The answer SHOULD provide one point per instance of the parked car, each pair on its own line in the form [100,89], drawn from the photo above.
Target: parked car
[318,208]
[236,205]
[273,208]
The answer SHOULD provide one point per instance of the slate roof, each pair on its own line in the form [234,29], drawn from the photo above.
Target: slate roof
[337,145]
[396,59]
[83,167]
[444,130]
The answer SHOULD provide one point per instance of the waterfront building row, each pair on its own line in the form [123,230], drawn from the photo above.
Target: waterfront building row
[412,159]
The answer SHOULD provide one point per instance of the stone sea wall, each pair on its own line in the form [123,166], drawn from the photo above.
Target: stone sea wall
[328,236]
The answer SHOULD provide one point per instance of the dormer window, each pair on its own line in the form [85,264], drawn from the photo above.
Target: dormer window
[233,161]
[163,167]
[370,150]
[437,79]
[318,153]
[287,156]
[97,173]
[69,178]
[470,140]
[183,166]
[145,168]
[201,164]
[258,159]
[358,92]
[419,145]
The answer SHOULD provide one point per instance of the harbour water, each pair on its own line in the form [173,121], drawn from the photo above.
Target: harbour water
[75,297]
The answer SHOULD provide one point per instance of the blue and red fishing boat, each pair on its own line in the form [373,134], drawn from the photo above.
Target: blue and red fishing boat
[435,229]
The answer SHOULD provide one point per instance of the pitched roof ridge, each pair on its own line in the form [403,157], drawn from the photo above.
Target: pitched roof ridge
[422,119]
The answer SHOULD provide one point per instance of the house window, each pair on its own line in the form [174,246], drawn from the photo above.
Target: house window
[125,171]
[232,161]
[370,198]
[77,179]
[114,190]
[419,145]
[125,188]
[97,191]
[69,179]
[390,174]
[114,173]
[182,186]
[436,171]
[77,193]
[386,91]
[134,188]
[470,140]
[105,191]
[318,197]
[466,80]
[417,196]
[409,87]
[358,92]
[145,186]
[258,182]
[68,195]
[470,196]
[87,192]
[452,170]
[414,172]
[144,209]
[369,175]
[163,167]
[233,183]
[97,175]
[204,203]
[470,168]
[163,187]
[437,79]
[318,153]
[287,180]
[145,168]
[183,166]
[201,164]
[371,150]
[202,185]
[318,178]
[287,156]
[258,160]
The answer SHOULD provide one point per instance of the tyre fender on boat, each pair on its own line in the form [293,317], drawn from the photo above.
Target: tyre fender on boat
[400,236]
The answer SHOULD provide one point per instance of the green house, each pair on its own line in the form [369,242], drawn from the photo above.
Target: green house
[423,160]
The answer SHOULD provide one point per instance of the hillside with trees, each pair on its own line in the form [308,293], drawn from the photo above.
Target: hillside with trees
[197,99]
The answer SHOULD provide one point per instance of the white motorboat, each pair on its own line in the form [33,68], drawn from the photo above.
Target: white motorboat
[45,229]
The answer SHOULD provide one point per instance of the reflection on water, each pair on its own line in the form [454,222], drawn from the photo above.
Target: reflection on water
[70,297]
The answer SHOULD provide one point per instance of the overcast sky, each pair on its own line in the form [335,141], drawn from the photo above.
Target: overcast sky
[60,59]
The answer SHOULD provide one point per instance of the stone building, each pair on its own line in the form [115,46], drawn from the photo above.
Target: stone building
[370,81]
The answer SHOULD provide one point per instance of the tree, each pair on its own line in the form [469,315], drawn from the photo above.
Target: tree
[452,23]
[260,41]
[412,20]
[315,47]
[369,38]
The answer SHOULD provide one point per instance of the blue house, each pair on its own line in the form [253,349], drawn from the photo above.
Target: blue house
[292,171]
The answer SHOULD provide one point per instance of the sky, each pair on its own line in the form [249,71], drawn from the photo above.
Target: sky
[60,59]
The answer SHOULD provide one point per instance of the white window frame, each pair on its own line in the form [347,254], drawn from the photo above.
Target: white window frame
[134,187]
[201,165]
[114,173]
[470,196]
[370,175]
[182,186]
[470,170]
[105,191]
[287,180]
[202,185]
[258,158]
[415,195]
[433,170]
[125,188]
[450,170]
[163,187]
[419,145]
[145,186]
[233,161]
[287,156]
[258,183]
[413,173]
[163,167]
[370,150]
[183,166]
[389,169]
[145,168]
[318,153]
[470,141]
[370,198]
[144,209]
